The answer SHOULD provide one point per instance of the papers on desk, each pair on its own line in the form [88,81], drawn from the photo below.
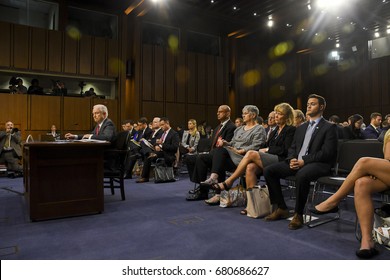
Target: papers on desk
[91,141]
[337,178]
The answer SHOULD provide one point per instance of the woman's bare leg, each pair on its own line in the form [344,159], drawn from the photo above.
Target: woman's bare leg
[364,188]
[252,170]
[379,168]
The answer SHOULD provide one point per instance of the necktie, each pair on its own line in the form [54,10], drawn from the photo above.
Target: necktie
[216,135]
[7,143]
[269,132]
[97,130]
[306,141]
[163,137]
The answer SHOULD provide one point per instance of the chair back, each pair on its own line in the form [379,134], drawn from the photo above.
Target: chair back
[351,151]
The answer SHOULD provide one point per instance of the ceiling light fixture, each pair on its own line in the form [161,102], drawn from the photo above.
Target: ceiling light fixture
[377,34]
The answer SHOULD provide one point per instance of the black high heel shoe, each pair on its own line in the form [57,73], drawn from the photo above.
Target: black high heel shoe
[317,212]
[217,187]
[367,253]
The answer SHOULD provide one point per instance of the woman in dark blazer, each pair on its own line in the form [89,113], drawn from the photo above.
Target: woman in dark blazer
[353,131]
[276,149]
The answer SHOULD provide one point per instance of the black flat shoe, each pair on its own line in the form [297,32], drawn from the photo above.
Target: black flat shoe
[317,212]
[367,253]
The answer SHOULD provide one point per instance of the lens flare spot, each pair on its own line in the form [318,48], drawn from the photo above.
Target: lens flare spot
[320,70]
[276,91]
[115,65]
[319,38]
[251,78]
[173,43]
[73,32]
[277,70]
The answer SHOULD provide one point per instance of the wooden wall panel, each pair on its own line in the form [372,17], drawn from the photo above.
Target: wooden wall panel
[181,76]
[21,46]
[85,59]
[211,80]
[146,78]
[201,78]
[220,81]
[159,73]
[38,49]
[54,58]
[113,59]
[77,114]
[192,82]
[197,112]
[70,55]
[5,46]
[151,109]
[44,111]
[176,115]
[99,57]
[170,77]
[13,107]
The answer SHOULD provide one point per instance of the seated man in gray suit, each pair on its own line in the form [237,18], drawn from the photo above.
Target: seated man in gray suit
[104,129]
[10,147]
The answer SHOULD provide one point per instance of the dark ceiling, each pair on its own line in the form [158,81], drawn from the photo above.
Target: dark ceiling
[292,17]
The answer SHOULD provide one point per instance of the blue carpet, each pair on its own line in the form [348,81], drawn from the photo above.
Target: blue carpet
[156,222]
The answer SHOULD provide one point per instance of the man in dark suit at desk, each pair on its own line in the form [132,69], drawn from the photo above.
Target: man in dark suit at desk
[373,130]
[10,147]
[203,162]
[104,129]
[311,155]
[166,147]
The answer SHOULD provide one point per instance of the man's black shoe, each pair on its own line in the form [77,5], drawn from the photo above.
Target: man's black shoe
[197,189]
[197,196]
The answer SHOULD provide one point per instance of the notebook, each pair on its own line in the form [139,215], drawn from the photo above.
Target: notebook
[47,138]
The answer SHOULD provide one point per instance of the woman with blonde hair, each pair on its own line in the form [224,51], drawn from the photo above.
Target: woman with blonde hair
[368,176]
[190,139]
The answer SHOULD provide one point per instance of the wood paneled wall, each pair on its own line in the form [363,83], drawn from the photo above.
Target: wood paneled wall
[181,85]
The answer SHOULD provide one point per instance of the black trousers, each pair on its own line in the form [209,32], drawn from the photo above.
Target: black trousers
[222,163]
[169,160]
[303,176]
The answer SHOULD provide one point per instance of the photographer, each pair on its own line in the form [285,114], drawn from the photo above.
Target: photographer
[10,147]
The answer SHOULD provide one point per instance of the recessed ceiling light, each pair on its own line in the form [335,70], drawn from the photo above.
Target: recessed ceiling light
[255,14]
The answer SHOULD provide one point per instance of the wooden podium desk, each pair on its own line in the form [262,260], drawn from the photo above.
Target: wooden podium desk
[63,179]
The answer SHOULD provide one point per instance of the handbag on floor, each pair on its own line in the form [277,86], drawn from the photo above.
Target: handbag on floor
[235,197]
[382,220]
[258,202]
[162,172]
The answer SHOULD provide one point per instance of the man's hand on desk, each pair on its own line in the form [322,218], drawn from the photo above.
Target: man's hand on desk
[87,136]
[70,136]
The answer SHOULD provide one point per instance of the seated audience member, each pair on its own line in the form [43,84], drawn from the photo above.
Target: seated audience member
[10,147]
[373,130]
[271,124]
[239,122]
[104,129]
[54,132]
[59,88]
[35,88]
[275,150]
[199,166]
[208,130]
[260,121]
[354,129]
[20,87]
[180,131]
[134,145]
[368,176]
[311,155]
[90,93]
[336,120]
[202,132]
[228,155]
[299,117]
[190,139]
[386,123]
[166,147]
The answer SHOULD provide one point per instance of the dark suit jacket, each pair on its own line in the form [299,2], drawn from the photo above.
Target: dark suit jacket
[370,133]
[226,133]
[279,146]
[171,145]
[15,142]
[106,131]
[322,146]
[147,134]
